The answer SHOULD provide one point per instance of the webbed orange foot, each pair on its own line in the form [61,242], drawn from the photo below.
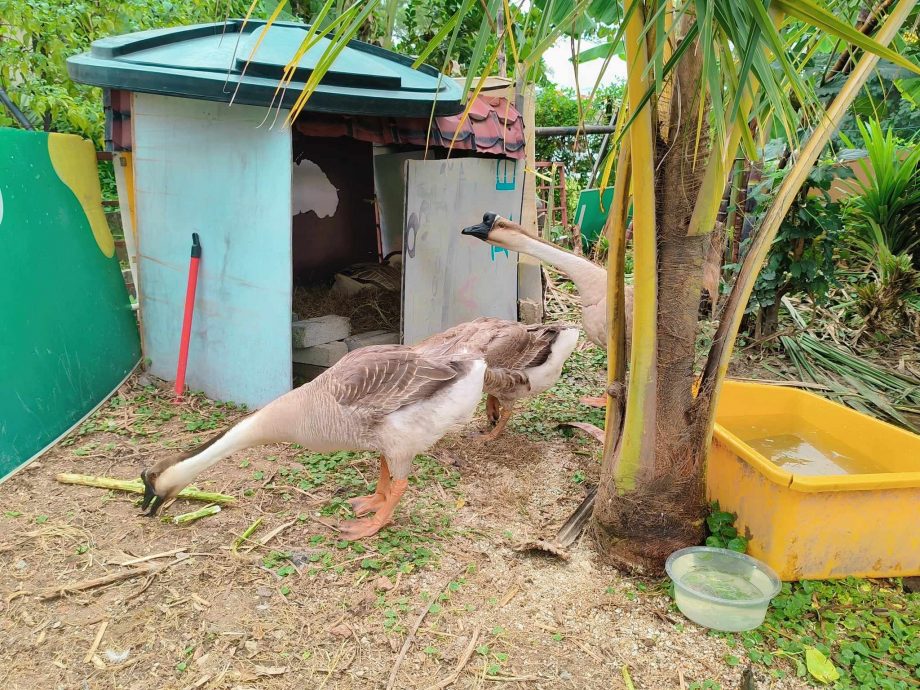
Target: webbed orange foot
[352,530]
[362,505]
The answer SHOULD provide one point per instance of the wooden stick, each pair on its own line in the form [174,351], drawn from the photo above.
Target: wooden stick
[594,655]
[153,556]
[137,487]
[274,533]
[99,634]
[334,528]
[55,592]
[458,669]
[415,626]
[509,595]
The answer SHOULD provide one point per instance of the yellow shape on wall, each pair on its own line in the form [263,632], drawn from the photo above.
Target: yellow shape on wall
[74,161]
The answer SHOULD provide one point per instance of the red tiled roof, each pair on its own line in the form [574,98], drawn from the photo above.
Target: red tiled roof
[493,126]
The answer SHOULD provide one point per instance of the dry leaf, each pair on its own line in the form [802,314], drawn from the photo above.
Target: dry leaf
[270,670]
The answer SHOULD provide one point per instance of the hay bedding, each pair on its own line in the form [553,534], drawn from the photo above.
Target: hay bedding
[214,620]
[369,310]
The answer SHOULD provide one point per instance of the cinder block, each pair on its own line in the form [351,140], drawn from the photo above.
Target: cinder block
[324,355]
[371,338]
[530,312]
[322,329]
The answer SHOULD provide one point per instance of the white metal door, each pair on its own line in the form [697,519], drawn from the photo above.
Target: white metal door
[449,278]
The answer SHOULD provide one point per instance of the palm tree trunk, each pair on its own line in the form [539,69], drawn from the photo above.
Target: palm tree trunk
[644,513]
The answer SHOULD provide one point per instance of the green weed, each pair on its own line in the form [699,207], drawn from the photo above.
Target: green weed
[856,634]
[722,532]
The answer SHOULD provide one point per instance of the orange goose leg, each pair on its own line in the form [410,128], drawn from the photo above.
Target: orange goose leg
[499,426]
[362,505]
[594,402]
[493,409]
[357,529]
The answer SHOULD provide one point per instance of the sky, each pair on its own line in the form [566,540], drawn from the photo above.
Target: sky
[559,60]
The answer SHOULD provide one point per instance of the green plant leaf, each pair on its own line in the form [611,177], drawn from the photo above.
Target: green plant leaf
[604,50]
[822,19]
[737,544]
[819,666]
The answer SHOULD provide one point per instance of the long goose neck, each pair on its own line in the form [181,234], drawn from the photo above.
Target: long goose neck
[248,433]
[582,272]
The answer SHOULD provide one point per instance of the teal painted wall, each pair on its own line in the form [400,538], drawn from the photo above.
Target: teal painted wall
[210,168]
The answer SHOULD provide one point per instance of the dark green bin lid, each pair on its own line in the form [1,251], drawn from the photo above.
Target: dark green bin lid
[206,61]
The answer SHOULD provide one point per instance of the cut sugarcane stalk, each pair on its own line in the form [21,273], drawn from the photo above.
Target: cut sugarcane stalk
[185,518]
[137,487]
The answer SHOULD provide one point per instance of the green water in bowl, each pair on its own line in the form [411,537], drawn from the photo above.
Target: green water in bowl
[703,580]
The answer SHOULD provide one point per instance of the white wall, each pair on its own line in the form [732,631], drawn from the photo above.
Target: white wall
[205,167]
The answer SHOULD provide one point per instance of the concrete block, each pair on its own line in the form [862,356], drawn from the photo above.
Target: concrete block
[371,338]
[530,312]
[322,329]
[324,355]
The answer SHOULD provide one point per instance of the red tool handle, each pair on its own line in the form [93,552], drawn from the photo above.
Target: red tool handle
[189,311]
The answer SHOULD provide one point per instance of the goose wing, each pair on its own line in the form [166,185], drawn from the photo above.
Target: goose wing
[498,381]
[522,347]
[382,379]
[506,345]
[384,276]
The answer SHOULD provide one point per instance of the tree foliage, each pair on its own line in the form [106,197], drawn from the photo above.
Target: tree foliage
[36,38]
[802,258]
[419,21]
[557,107]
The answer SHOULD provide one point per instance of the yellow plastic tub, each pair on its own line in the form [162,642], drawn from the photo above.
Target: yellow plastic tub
[821,491]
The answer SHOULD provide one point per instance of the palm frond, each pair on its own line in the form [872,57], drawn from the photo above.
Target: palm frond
[716,366]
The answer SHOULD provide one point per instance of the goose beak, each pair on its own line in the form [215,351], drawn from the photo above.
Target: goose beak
[482,229]
[151,498]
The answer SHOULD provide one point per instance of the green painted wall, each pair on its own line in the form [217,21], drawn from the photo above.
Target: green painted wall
[592,212]
[67,333]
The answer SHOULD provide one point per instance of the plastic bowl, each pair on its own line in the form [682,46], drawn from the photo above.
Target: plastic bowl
[721,589]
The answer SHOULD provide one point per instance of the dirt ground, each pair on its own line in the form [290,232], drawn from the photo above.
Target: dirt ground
[305,610]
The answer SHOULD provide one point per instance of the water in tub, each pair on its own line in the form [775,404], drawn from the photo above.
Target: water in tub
[805,451]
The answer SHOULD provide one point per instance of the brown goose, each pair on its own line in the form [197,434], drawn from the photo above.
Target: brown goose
[522,361]
[383,276]
[385,398]
[589,278]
